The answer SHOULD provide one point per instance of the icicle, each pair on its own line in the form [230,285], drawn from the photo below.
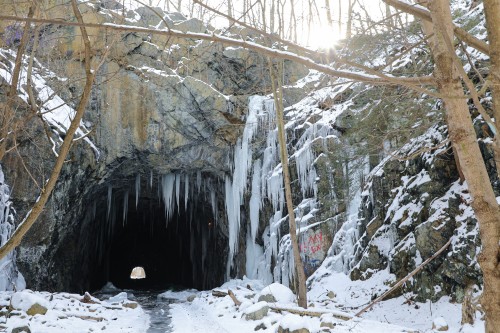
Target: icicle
[151,180]
[198,181]
[213,201]
[186,191]
[177,191]
[137,189]
[110,195]
[167,193]
[235,188]
[125,206]
[255,200]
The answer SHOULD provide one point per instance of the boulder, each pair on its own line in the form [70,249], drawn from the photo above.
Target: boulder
[257,311]
[276,293]
[21,329]
[30,302]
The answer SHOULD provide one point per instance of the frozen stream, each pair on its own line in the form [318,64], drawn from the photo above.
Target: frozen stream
[156,307]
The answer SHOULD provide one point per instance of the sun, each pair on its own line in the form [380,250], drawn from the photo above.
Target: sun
[322,37]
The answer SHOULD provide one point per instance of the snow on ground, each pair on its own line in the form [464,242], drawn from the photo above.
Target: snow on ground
[68,313]
[208,313]
[352,296]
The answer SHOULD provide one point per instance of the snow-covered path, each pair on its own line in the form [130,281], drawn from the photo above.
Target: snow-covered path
[195,317]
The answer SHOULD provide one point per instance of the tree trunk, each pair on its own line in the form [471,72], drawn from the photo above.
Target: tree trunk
[329,19]
[348,28]
[271,17]
[340,17]
[464,141]
[492,13]
[278,103]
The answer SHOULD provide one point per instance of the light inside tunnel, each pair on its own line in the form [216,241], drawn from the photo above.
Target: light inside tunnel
[138,273]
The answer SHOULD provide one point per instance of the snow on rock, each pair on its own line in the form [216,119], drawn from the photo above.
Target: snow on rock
[66,312]
[276,293]
[439,324]
[292,323]
[118,298]
[256,311]
[182,295]
[55,111]
[28,301]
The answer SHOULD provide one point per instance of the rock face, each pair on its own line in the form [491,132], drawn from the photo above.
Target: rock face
[166,114]
[409,211]
[159,107]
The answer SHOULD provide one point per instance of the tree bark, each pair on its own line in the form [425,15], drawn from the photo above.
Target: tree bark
[299,267]
[492,13]
[463,138]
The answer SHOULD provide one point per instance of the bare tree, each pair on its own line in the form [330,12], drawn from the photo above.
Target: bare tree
[36,210]
[276,75]
[464,141]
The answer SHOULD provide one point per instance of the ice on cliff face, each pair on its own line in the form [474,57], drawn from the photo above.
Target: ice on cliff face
[10,277]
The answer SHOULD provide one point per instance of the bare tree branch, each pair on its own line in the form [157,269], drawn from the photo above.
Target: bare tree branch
[424,14]
[410,82]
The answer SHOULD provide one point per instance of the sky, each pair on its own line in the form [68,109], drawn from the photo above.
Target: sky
[319,34]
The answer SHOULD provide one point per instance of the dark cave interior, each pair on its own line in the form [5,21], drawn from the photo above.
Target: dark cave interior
[182,248]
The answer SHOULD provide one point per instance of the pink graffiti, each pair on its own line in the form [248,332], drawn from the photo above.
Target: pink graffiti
[313,243]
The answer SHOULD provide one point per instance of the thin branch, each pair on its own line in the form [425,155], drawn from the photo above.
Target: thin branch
[39,205]
[403,280]
[424,14]
[410,82]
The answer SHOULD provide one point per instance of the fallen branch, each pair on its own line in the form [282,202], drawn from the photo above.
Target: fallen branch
[233,297]
[310,313]
[403,280]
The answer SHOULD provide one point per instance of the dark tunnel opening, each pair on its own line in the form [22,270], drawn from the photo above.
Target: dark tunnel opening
[180,247]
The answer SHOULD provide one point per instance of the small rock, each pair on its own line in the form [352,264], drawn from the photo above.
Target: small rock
[327,324]
[191,298]
[21,329]
[261,326]
[256,311]
[440,324]
[130,305]
[331,295]
[291,323]
[276,292]
[36,309]
[288,330]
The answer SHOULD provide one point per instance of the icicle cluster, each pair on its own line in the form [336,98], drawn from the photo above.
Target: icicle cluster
[266,178]
[10,277]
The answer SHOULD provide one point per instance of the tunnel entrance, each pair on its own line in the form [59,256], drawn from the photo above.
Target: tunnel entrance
[168,226]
